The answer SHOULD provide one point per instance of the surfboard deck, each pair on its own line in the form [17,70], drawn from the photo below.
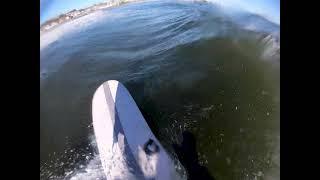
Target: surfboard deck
[127,147]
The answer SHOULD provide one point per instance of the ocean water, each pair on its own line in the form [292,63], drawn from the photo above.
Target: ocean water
[190,66]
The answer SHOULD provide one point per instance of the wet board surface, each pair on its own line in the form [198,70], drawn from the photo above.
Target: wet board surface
[127,147]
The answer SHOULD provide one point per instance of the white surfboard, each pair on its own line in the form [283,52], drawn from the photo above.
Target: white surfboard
[127,147]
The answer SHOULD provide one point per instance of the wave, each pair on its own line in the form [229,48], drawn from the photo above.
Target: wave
[179,23]
[244,19]
[192,24]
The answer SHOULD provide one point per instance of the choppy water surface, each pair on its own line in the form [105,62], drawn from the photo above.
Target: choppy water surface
[189,65]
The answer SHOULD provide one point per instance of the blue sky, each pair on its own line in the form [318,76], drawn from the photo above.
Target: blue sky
[267,8]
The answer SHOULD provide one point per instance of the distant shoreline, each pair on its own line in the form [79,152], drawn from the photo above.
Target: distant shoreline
[75,13]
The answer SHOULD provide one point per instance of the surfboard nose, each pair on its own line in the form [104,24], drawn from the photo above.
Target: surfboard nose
[113,83]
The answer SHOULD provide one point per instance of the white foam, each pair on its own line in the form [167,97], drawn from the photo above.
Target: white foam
[271,48]
[93,170]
